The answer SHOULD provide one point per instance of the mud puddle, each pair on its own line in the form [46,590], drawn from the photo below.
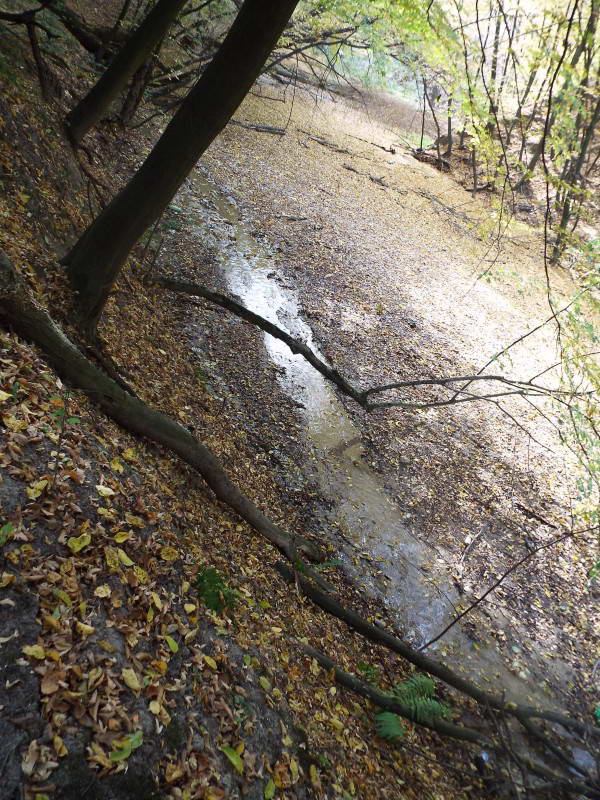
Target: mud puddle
[376,547]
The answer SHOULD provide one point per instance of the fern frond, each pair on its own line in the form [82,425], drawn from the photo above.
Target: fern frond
[426,709]
[415,687]
[418,694]
[388,725]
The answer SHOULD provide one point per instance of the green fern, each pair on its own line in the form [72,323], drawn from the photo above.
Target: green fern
[388,725]
[414,687]
[418,694]
[213,590]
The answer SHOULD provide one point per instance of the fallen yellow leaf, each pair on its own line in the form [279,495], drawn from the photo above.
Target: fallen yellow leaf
[131,679]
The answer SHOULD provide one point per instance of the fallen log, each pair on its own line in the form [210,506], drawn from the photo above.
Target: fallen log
[259,128]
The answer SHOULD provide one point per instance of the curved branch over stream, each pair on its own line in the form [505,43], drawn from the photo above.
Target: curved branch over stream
[361,396]
[35,324]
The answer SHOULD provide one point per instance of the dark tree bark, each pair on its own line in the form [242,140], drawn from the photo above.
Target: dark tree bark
[130,58]
[96,259]
[29,320]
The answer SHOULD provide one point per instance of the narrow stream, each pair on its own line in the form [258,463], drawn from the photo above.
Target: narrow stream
[375,546]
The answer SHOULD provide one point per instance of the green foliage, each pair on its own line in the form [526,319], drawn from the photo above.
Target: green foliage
[214,591]
[418,695]
[594,572]
[124,748]
[388,726]
[5,532]
[369,672]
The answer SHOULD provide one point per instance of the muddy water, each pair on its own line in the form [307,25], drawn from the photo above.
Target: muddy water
[375,545]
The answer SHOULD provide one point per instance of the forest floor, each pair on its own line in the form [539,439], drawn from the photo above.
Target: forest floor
[116,679]
[399,274]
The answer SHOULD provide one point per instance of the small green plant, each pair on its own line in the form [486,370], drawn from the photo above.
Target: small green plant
[214,591]
[5,532]
[388,726]
[418,694]
[201,376]
[369,672]
[323,761]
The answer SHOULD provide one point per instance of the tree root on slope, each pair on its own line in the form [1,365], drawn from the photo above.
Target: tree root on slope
[34,324]
[488,701]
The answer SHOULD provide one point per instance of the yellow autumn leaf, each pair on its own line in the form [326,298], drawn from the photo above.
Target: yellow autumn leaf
[84,629]
[77,543]
[172,644]
[173,772]
[102,591]
[116,465]
[104,491]
[154,707]
[314,776]
[156,600]
[131,679]
[34,651]
[190,635]
[35,490]
[98,755]
[13,424]
[6,579]
[59,746]
[131,519]
[210,661]
[189,608]
[51,623]
[4,396]
[112,559]
[168,553]
[124,558]
[122,536]
[294,769]
[140,574]
[129,454]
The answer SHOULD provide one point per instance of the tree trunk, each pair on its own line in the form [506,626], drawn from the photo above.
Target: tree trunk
[34,324]
[448,152]
[130,58]
[96,259]
[136,90]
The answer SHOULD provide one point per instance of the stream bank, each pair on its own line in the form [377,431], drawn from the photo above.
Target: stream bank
[291,255]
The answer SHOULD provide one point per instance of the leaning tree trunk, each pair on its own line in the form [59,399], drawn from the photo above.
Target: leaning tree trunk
[96,259]
[130,58]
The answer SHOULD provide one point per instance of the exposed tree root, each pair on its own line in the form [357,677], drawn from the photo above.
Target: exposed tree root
[441,726]
[33,323]
[329,604]
[387,703]
[488,701]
